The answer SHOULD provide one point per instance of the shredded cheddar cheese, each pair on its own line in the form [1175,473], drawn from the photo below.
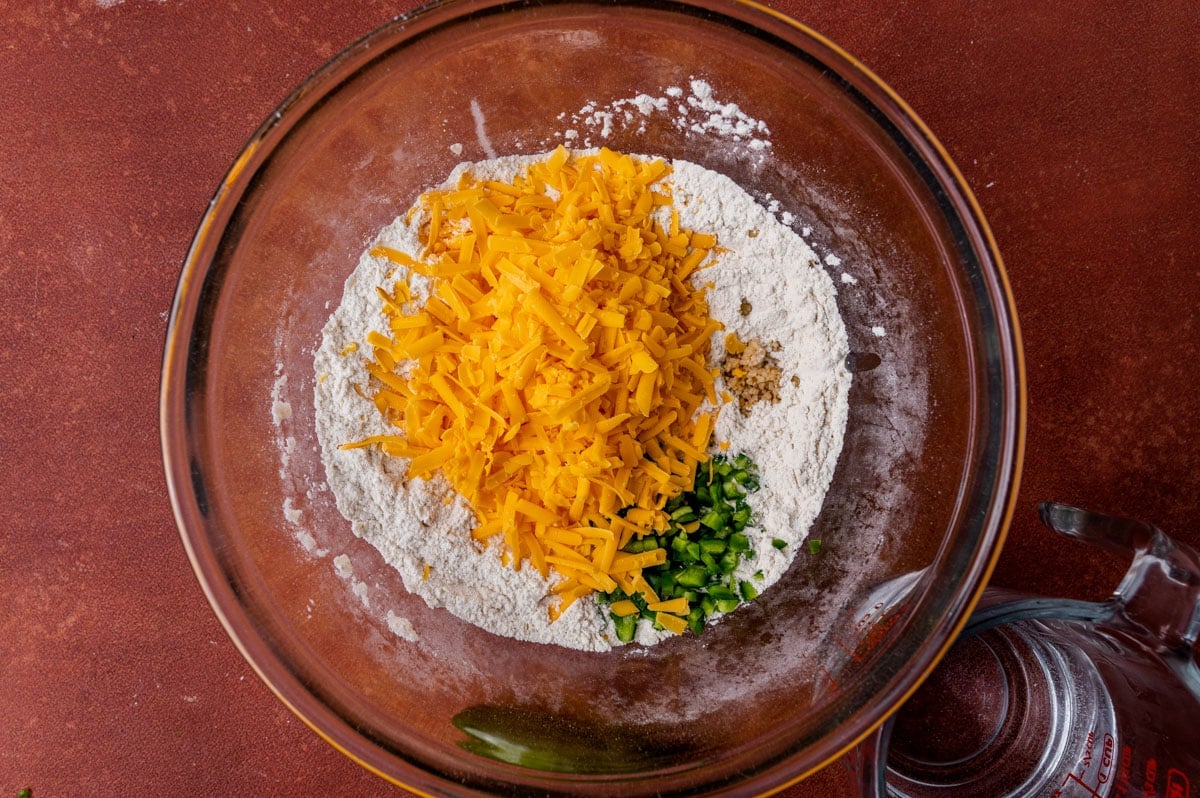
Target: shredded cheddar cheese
[556,373]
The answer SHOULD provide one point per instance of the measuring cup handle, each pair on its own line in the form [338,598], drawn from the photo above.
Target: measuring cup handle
[1160,594]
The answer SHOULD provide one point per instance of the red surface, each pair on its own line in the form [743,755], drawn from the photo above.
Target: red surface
[1075,123]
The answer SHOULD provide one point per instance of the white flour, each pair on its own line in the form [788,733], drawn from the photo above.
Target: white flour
[766,285]
[696,109]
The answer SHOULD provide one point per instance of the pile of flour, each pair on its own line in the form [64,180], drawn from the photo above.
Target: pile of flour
[765,283]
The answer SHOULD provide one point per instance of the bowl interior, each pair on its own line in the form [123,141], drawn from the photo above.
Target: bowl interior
[779,687]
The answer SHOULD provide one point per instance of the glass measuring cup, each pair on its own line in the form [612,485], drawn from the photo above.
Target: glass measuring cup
[1050,697]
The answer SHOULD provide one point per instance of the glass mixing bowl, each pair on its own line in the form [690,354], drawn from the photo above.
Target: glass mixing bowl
[922,491]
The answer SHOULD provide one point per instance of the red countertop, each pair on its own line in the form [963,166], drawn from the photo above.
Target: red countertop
[1075,123]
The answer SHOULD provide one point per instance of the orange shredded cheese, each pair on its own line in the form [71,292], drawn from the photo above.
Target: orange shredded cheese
[623,607]
[556,370]
[678,606]
[672,623]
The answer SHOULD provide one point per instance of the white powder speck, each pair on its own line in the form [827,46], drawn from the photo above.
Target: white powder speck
[281,419]
[481,129]
[806,232]
[700,112]
[832,260]
[280,410]
[648,105]
[344,568]
[291,512]
[402,627]
[849,279]
[456,148]
[878,332]
[309,543]
[604,119]
[795,442]
[360,589]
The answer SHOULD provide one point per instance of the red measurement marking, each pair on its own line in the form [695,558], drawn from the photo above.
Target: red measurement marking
[1148,786]
[1106,758]
[1124,773]
[1071,777]
[873,628]
[837,687]
[1074,784]
[1178,785]
[847,649]
[877,632]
